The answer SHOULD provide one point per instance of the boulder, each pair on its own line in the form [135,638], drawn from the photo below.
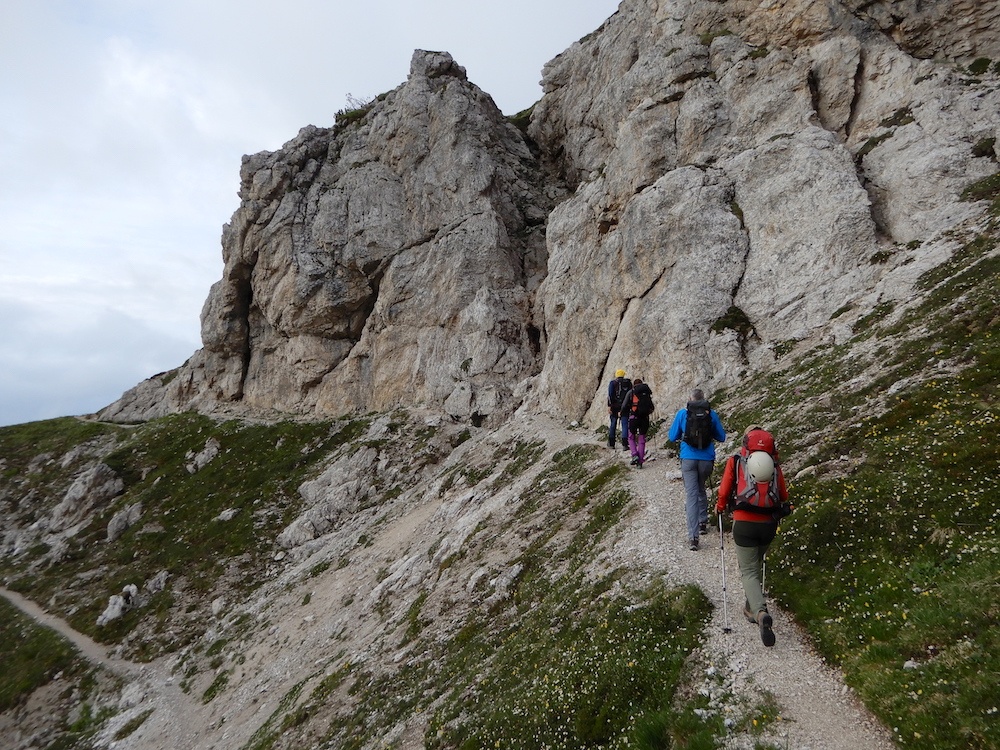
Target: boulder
[92,488]
[123,520]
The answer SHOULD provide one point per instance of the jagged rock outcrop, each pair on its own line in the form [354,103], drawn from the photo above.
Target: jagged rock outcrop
[330,497]
[123,520]
[93,487]
[702,183]
[200,460]
[387,261]
[119,604]
[952,30]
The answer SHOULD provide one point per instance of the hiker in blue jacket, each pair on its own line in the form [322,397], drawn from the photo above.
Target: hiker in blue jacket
[696,427]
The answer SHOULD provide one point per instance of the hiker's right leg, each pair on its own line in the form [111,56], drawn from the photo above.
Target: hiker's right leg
[750,567]
[751,540]
[611,430]
[690,471]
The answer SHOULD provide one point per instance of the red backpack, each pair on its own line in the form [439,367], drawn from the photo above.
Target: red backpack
[757,497]
[760,440]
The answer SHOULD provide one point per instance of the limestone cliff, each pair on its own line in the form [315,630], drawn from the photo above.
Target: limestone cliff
[702,185]
[391,259]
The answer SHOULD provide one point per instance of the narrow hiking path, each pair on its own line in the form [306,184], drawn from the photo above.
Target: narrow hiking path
[89,649]
[147,685]
[818,711]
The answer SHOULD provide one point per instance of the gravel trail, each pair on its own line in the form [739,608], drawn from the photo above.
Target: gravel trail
[818,711]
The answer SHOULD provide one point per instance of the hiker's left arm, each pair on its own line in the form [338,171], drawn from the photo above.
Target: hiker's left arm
[675,428]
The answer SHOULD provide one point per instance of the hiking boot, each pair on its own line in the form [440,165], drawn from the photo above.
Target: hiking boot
[693,544]
[703,528]
[766,634]
[748,614]
[634,461]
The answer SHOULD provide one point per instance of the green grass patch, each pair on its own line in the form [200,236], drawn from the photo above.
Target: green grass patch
[269,732]
[518,458]
[986,189]
[736,320]
[30,656]
[871,144]
[20,443]
[979,66]
[217,686]
[132,724]
[710,36]
[762,715]
[898,118]
[604,677]
[522,119]
[985,147]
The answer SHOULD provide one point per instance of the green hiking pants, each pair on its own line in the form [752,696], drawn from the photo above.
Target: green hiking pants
[752,539]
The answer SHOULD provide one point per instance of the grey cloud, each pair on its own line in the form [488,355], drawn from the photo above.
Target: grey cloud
[52,370]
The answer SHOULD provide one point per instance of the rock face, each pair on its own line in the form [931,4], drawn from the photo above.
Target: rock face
[377,263]
[701,184]
[752,162]
[95,486]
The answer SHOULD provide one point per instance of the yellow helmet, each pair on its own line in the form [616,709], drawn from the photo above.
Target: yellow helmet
[619,373]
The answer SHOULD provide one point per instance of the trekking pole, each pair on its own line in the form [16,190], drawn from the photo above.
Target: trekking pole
[725,599]
[763,576]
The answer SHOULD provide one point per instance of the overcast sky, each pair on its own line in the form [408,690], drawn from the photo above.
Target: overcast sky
[122,126]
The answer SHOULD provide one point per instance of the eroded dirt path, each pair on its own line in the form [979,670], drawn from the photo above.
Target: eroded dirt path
[88,648]
[147,686]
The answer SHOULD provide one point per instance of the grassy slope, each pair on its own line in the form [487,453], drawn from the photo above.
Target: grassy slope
[179,532]
[594,656]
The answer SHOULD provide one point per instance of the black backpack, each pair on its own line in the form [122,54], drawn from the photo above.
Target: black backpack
[642,400]
[698,427]
[622,387]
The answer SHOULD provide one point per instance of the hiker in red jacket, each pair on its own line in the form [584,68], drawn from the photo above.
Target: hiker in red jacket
[753,487]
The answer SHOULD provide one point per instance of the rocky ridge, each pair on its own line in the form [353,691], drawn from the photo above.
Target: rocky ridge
[701,186]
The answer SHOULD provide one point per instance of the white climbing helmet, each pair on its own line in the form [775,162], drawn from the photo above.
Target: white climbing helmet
[760,466]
